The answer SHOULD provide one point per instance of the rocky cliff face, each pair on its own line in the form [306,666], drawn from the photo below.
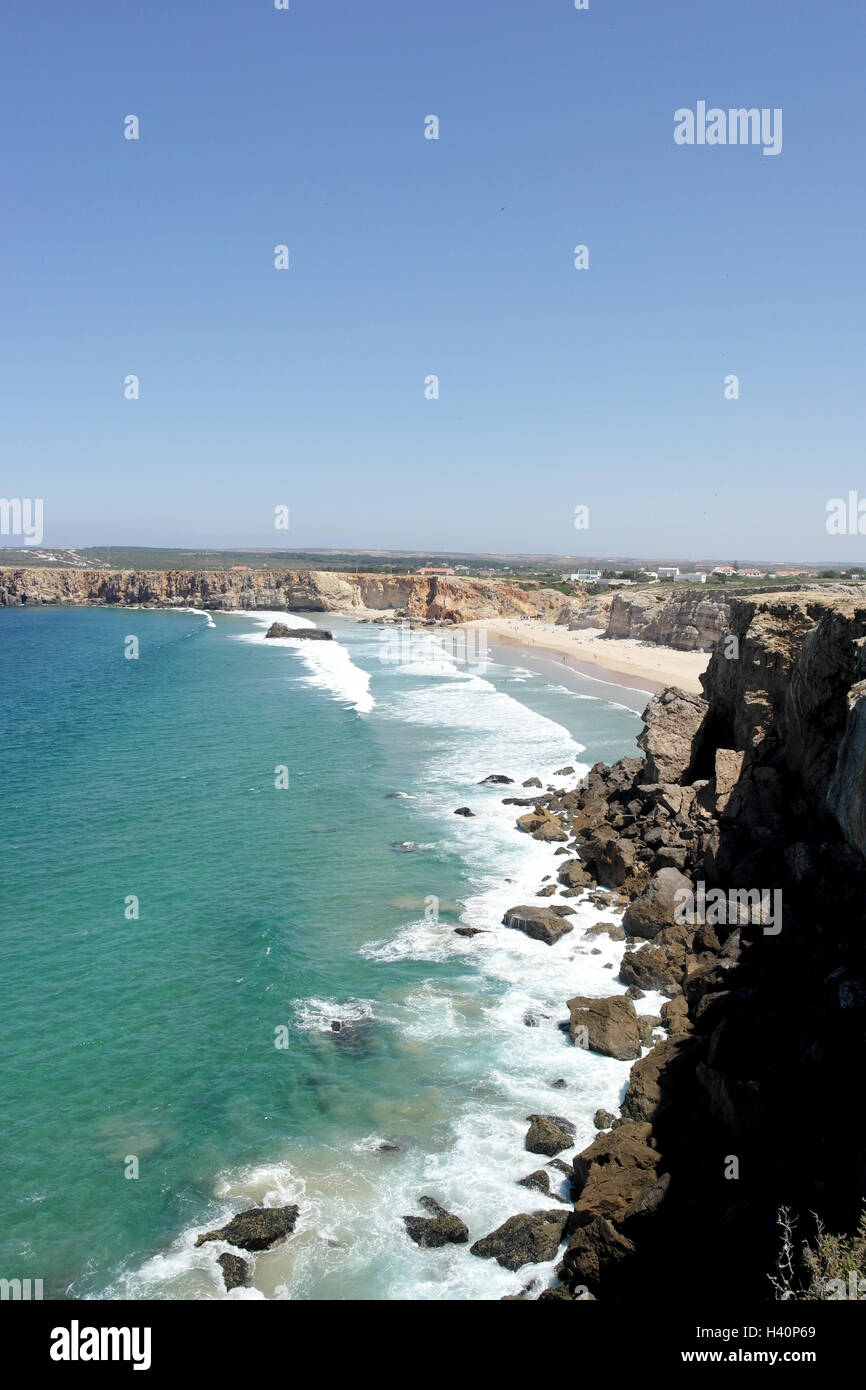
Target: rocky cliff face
[739,838]
[433,599]
[691,621]
[587,612]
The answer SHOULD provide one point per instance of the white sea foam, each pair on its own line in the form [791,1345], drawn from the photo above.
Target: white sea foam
[317,1015]
[176,608]
[200,613]
[329,664]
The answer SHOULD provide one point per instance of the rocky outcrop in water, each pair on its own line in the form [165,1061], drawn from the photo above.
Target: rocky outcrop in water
[309,634]
[608,1026]
[257,1229]
[541,923]
[526,1239]
[438,1228]
[549,1135]
[236,1271]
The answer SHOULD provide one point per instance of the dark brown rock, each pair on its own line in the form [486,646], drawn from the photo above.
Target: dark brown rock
[658,904]
[441,1227]
[675,1016]
[574,874]
[647,1023]
[524,1239]
[592,1254]
[236,1271]
[538,922]
[609,929]
[541,825]
[653,1080]
[613,1172]
[309,634]
[654,967]
[608,1026]
[256,1229]
[548,1134]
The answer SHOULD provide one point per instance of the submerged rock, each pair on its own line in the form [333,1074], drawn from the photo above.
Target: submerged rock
[354,1034]
[606,929]
[464,811]
[256,1229]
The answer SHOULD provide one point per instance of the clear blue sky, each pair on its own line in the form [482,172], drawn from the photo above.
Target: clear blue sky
[410,257]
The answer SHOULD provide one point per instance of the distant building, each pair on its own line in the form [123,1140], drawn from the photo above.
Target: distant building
[614,583]
[669,571]
[584,577]
[435,569]
[726,570]
[698,577]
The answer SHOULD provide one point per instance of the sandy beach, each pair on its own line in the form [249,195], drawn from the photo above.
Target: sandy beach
[639,664]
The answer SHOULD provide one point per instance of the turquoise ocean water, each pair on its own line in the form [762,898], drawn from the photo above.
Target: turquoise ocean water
[264,914]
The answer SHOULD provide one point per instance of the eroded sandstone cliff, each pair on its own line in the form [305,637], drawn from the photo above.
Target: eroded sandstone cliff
[690,621]
[434,598]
